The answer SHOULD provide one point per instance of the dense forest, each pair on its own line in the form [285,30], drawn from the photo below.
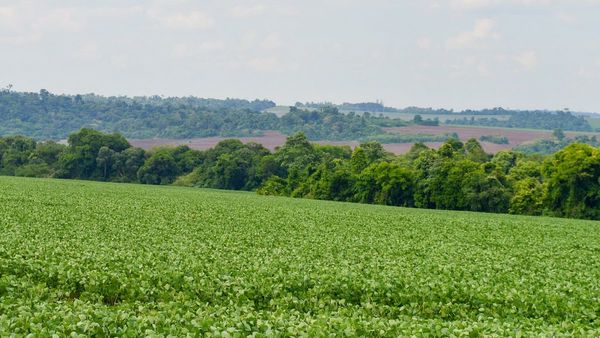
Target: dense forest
[502,118]
[46,116]
[457,176]
[551,146]
[532,120]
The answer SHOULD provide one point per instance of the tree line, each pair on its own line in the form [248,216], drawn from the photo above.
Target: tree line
[551,146]
[457,176]
[47,116]
[530,119]
[494,117]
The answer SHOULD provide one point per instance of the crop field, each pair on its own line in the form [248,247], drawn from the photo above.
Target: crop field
[272,139]
[102,259]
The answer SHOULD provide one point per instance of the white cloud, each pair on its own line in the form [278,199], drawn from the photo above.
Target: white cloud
[265,64]
[565,17]
[485,4]
[483,69]
[7,14]
[424,42]
[184,50]
[471,66]
[243,12]
[271,64]
[186,21]
[63,19]
[23,23]
[272,41]
[527,60]
[591,72]
[482,30]
[88,52]
[471,4]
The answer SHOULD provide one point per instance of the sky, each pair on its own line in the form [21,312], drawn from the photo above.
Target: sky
[455,54]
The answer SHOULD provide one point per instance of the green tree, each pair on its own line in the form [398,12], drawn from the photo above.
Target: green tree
[485,192]
[159,168]
[559,134]
[80,159]
[127,163]
[366,154]
[14,153]
[386,183]
[105,161]
[474,151]
[528,197]
[573,182]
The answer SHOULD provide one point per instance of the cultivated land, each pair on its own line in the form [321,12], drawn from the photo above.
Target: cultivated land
[116,259]
[272,139]
[515,136]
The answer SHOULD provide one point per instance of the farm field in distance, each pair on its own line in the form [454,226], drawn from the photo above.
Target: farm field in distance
[272,139]
[104,259]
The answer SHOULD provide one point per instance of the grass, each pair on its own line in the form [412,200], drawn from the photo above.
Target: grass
[103,259]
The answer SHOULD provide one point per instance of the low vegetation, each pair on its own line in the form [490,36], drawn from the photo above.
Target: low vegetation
[497,139]
[495,117]
[410,138]
[330,124]
[551,146]
[102,259]
[530,119]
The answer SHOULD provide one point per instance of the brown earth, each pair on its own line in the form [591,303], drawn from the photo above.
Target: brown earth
[272,139]
[515,136]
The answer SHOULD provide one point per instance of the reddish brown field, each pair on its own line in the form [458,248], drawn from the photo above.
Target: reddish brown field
[272,139]
[515,136]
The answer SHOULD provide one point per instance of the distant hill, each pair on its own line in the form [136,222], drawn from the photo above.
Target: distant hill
[45,115]
[494,117]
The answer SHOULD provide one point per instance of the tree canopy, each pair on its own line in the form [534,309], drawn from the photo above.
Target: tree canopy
[457,176]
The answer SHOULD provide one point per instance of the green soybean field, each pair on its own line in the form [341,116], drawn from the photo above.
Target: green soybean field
[101,259]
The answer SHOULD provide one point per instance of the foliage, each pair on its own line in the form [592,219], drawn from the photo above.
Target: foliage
[45,116]
[531,119]
[330,124]
[89,155]
[497,139]
[419,120]
[547,147]
[102,259]
[573,182]
[230,165]
[410,138]
[457,176]
[164,165]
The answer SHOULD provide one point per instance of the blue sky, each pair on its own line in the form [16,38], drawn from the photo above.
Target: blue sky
[451,54]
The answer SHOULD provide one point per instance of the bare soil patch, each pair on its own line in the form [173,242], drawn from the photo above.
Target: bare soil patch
[273,139]
[270,140]
[515,136]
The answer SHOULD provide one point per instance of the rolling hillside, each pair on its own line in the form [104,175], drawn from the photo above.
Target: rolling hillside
[105,259]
